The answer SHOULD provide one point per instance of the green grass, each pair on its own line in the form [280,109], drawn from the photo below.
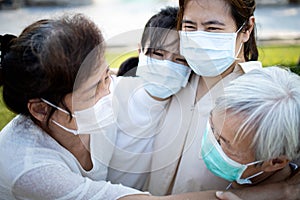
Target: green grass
[115,59]
[5,114]
[279,55]
[269,55]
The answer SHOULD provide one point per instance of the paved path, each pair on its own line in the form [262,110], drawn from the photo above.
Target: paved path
[126,18]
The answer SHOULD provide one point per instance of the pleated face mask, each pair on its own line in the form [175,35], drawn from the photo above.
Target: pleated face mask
[91,120]
[219,163]
[162,78]
[209,54]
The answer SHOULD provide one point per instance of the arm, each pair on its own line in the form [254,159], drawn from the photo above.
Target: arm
[58,182]
[289,189]
[139,120]
[187,196]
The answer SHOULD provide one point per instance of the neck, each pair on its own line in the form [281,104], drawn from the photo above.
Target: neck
[207,83]
[78,145]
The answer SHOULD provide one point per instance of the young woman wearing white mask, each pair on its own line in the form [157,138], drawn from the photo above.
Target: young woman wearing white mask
[163,72]
[217,38]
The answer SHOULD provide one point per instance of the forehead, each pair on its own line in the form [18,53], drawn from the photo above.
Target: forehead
[208,10]
[225,121]
[228,125]
[164,39]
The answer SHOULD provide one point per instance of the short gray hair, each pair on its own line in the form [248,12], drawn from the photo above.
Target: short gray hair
[268,102]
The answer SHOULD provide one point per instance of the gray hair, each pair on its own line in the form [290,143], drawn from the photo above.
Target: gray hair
[268,102]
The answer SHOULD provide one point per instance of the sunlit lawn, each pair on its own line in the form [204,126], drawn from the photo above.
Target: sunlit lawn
[276,55]
[271,55]
[5,114]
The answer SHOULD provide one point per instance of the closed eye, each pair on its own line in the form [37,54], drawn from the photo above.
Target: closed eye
[188,25]
[213,25]
[213,28]
[157,53]
[181,61]
[188,28]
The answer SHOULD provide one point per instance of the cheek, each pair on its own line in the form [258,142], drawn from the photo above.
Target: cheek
[64,120]
[103,89]
[231,154]
[239,154]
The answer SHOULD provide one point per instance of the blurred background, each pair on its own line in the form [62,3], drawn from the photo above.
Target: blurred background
[122,22]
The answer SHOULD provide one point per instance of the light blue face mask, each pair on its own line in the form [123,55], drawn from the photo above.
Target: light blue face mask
[219,163]
[162,78]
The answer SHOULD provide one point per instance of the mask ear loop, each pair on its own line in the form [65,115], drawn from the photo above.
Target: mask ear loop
[64,111]
[58,108]
[74,132]
[241,27]
[236,58]
[247,180]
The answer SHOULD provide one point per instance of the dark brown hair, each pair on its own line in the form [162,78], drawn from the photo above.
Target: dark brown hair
[158,27]
[44,60]
[241,11]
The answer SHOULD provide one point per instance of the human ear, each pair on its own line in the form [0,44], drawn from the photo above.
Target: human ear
[38,109]
[275,164]
[248,29]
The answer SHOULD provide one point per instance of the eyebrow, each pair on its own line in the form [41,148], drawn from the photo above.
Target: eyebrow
[214,22]
[188,22]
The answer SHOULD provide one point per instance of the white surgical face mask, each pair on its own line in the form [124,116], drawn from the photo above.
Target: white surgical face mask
[219,163]
[91,120]
[162,78]
[208,54]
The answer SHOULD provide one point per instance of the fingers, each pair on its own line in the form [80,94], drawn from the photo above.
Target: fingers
[227,196]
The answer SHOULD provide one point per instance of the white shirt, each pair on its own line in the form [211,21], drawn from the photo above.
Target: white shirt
[34,166]
[138,121]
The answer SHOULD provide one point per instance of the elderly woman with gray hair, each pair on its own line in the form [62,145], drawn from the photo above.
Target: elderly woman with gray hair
[253,132]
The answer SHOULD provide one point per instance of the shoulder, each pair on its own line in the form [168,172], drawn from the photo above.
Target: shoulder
[251,65]
[22,132]
[23,146]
